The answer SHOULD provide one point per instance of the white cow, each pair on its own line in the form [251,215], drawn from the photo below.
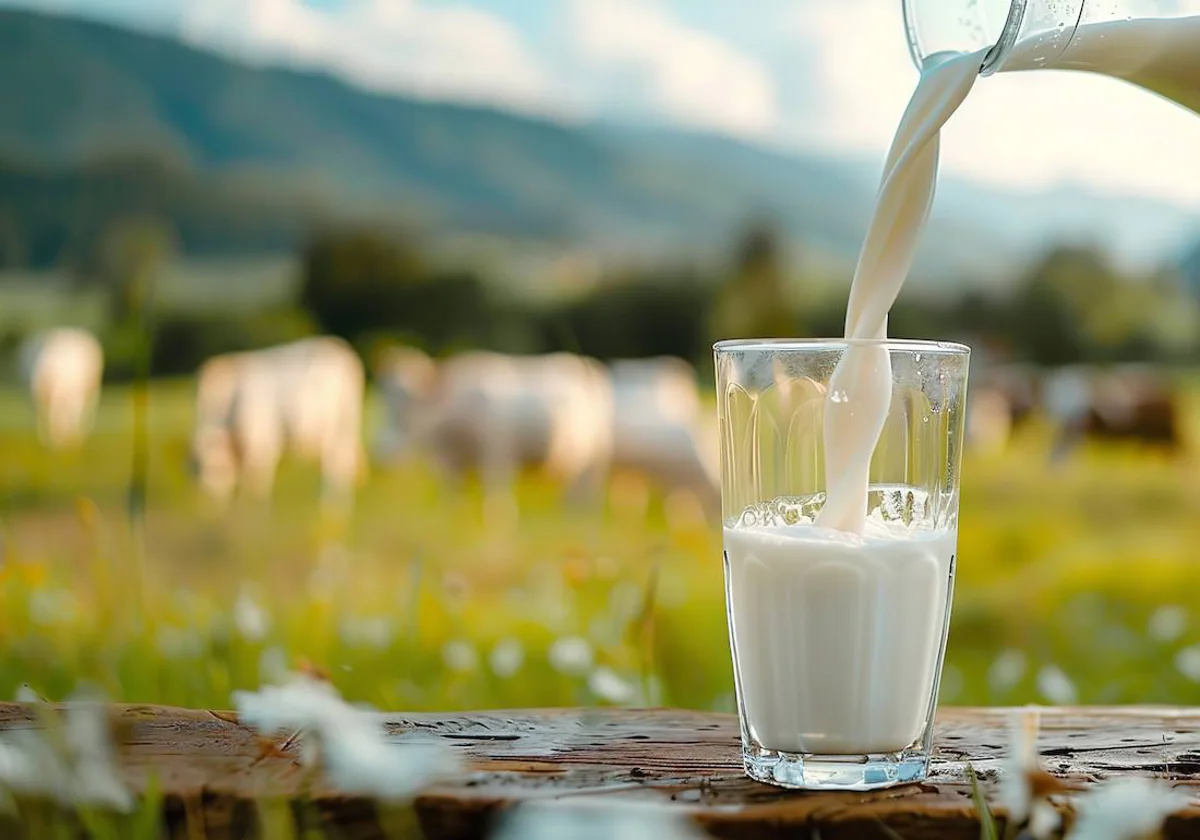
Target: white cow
[306,396]
[661,429]
[989,420]
[62,369]
[495,413]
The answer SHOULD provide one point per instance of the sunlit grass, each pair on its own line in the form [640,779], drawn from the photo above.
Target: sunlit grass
[1061,569]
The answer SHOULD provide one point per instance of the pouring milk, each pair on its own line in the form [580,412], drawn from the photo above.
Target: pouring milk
[835,622]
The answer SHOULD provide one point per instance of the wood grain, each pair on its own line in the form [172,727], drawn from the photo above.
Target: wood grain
[213,770]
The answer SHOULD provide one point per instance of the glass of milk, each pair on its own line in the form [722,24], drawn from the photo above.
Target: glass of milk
[838,635]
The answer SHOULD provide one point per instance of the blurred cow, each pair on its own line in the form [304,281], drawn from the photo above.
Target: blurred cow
[1001,398]
[660,429]
[306,396]
[1129,402]
[62,369]
[494,413]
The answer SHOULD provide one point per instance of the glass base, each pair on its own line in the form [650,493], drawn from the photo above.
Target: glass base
[835,772]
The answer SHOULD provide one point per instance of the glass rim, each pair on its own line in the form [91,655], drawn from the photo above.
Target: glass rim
[947,348]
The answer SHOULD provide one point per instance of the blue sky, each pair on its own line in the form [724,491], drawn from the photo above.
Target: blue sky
[828,75]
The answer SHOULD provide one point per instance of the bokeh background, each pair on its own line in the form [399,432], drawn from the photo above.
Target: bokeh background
[616,178]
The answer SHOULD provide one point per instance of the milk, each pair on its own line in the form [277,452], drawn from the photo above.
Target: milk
[837,624]
[1161,55]
[836,636]
[860,389]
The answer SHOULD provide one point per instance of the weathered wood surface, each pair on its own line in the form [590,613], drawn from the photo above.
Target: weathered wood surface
[213,769]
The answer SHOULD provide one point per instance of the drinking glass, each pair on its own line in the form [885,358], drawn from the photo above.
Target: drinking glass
[837,638]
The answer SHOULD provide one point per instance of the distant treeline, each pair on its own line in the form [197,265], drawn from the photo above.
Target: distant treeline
[374,286]
[1071,305]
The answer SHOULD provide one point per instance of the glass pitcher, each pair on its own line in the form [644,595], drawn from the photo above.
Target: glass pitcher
[1067,34]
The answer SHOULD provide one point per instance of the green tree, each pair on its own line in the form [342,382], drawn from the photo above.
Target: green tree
[357,280]
[659,313]
[754,300]
[133,252]
[363,283]
[1075,304]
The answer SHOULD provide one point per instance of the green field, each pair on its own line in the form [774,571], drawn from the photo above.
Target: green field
[1089,569]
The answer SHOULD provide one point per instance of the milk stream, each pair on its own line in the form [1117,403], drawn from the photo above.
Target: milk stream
[836,625]
[1160,55]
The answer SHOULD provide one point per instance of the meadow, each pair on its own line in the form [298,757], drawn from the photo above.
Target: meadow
[1076,582]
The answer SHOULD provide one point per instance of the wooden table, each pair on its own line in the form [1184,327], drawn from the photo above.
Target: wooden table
[212,769]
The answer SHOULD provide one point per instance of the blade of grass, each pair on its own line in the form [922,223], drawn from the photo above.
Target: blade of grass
[987,825]
[147,821]
[890,832]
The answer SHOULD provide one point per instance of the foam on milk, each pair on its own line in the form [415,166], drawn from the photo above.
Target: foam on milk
[836,636]
[837,624]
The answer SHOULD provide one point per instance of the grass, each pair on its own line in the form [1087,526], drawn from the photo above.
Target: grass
[1088,568]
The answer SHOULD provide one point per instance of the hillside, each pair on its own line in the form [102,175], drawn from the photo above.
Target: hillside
[76,91]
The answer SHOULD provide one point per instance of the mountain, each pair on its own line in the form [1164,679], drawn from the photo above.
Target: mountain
[1139,230]
[250,137]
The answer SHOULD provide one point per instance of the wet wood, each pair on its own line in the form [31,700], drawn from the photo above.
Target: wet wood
[214,770]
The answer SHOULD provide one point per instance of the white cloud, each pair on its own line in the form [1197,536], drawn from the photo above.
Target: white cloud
[685,74]
[1022,130]
[445,51]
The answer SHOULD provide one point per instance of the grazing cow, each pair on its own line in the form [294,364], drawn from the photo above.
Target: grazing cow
[495,414]
[306,396]
[62,369]
[1129,403]
[1001,399]
[989,419]
[660,429]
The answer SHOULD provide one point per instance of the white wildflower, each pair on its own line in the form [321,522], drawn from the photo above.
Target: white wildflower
[1021,777]
[606,631]
[1006,670]
[460,656]
[78,768]
[272,665]
[1167,624]
[251,620]
[571,655]
[1187,662]
[1044,820]
[359,759]
[96,781]
[49,607]
[1126,808]
[1056,686]
[606,684]
[628,821]
[299,703]
[349,743]
[506,658]
[625,600]
[375,632]
[179,643]
[30,765]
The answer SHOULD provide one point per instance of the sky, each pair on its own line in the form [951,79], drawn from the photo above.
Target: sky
[827,75]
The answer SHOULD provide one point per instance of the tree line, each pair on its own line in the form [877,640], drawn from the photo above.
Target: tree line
[373,285]
[1072,304]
